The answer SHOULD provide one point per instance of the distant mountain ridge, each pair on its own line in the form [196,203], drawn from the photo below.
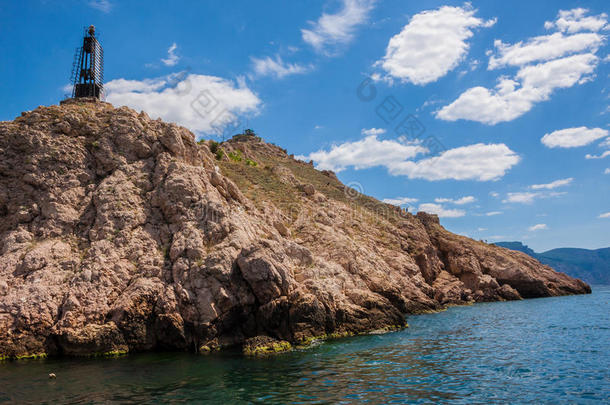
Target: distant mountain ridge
[592,266]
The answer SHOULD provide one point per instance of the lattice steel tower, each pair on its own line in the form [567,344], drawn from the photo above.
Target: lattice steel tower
[88,68]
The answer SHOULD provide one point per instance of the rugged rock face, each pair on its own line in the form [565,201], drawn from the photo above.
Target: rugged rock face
[121,233]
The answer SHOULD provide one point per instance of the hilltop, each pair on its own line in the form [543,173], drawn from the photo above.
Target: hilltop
[120,233]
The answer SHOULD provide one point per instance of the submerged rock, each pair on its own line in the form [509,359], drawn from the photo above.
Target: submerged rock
[120,233]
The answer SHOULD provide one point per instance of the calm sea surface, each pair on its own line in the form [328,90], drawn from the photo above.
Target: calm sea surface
[551,350]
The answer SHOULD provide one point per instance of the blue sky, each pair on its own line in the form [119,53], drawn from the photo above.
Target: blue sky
[505,104]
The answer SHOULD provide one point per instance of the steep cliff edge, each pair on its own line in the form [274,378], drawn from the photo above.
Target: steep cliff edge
[121,233]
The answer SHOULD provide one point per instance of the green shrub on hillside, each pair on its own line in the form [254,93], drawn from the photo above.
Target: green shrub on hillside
[235,156]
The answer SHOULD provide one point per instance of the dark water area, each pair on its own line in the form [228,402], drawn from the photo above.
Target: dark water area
[551,350]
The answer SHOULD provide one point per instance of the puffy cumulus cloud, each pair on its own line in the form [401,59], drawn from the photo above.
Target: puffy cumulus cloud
[373,131]
[552,185]
[400,201]
[528,197]
[204,104]
[558,73]
[573,137]
[480,162]
[363,154]
[433,43]
[543,48]
[546,63]
[576,20]
[473,162]
[277,67]
[605,215]
[537,227]
[332,30]
[459,201]
[514,97]
[441,211]
[172,58]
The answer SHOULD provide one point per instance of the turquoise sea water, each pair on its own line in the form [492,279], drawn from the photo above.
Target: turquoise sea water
[551,350]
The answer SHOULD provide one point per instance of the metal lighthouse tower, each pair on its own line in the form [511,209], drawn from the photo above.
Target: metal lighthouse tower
[88,68]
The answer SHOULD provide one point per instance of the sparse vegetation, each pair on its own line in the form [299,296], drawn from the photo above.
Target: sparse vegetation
[214,146]
[235,156]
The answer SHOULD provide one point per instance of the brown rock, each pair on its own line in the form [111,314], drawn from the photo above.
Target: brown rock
[308,189]
[509,293]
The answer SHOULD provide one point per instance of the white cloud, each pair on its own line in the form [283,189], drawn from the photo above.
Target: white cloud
[336,29]
[573,137]
[373,131]
[605,143]
[493,213]
[103,5]
[603,155]
[441,211]
[494,194]
[514,97]
[543,48]
[460,201]
[400,201]
[365,153]
[564,61]
[552,185]
[433,43]
[607,171]
[473,162]
[528,197]
[481,229]
[537,227]
[575,20]
[172,58]
[605,215]
[205,104]
[277,67]
[522,198]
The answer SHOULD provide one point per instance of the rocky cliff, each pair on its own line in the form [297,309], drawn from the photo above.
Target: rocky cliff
[121,233]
